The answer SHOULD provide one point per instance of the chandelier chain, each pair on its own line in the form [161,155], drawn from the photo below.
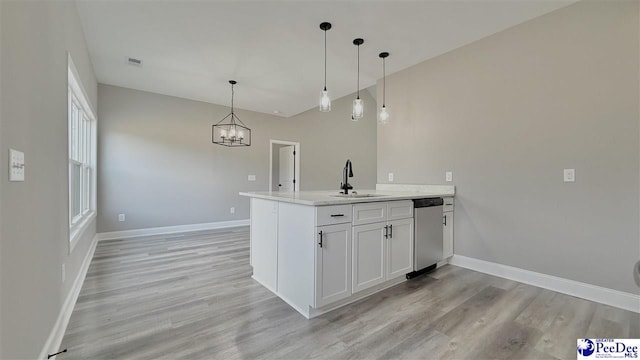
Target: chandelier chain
[232,93]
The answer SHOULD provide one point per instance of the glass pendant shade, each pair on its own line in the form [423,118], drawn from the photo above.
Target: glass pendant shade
[383,115]
[325,101]
[358,110]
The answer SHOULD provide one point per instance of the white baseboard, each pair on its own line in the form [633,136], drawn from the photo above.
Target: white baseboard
[52,345]
[171,229]
[582,290]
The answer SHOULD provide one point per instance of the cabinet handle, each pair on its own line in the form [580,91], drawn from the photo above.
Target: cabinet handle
[386,231]
[444,220]
[391,231]
[336,215]
[320,243]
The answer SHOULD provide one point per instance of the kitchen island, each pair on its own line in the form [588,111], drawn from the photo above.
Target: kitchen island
[319,250]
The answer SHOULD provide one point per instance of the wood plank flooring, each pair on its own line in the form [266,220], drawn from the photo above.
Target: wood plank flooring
[190,296]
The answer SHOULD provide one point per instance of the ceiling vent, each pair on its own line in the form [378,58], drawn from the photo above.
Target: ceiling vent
[133,61]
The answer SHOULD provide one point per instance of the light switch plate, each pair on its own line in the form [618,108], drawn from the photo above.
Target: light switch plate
[251,178]
[390,176]
[569,175]
[122,217]
[449,176]
[16,165]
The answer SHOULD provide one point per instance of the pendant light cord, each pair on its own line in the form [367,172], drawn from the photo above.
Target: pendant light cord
[358,87]
[384,81]
[325,60]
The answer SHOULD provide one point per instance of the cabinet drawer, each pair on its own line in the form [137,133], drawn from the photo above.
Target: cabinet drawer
[369,213]
[334,214]
[448,204]
[399,209]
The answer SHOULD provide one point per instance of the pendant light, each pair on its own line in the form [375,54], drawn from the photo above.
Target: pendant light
[233,132]
[383,115]
[325,101]
[358,107]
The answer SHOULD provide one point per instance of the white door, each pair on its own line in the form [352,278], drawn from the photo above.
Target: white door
[287,172]
[368,255]
[333,263]
[399,248]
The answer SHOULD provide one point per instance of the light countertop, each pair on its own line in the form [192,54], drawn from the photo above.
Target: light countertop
[320,198]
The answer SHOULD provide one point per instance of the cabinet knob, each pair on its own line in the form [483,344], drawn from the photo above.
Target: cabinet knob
[320,243]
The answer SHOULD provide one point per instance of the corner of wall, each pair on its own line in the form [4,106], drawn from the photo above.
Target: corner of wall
[29,319]
[3,165]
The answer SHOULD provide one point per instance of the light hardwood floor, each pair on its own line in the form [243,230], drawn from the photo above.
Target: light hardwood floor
[191,296]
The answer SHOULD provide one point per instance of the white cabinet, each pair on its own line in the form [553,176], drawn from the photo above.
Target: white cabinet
[319,257]
[382,250]
[333,263]
[368,255]
[399,248]
[264,242]
[447,231]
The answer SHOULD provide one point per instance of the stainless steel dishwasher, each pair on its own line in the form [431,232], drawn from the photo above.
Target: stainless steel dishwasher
[427,237]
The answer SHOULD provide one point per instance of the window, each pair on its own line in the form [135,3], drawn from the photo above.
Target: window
[82,159]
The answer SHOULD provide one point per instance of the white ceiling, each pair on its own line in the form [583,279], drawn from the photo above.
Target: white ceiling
[274,49]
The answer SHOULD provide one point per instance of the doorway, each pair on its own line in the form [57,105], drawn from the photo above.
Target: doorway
[284,165]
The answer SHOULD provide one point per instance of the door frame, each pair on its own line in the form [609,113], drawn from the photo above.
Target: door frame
[296,162]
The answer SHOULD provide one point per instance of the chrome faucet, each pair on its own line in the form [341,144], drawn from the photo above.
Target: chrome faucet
[347,172]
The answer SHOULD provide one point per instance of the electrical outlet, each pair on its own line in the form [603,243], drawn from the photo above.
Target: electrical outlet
[449,176]
[64,273]
[569,175]
[232,210]
[251,178]
[390,176]
[121,217]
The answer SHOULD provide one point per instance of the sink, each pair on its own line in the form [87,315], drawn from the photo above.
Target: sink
[352,195]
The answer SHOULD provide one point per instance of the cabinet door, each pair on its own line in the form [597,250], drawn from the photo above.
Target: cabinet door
[333,263]
[368,255]
[400,248]
[447,234]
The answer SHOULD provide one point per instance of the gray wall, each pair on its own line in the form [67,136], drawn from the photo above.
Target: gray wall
[35,38]
[506,114]
[1,187]
[159,167]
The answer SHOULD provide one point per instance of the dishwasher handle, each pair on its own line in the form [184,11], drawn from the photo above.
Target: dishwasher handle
[428,202]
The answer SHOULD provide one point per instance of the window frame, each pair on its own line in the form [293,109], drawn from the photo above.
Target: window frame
[82,134]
